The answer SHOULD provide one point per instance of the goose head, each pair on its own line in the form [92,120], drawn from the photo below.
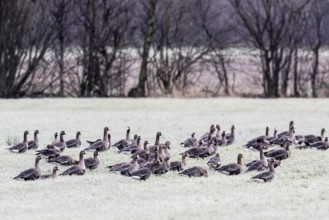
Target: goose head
[55,169]
[62,133]
[56,135]
[78,134]
[106,129]
[38,158]
[167,144]
[158,134]
[36,132]
[96,154]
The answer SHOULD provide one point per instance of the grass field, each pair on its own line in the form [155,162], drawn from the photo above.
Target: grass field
[299,190]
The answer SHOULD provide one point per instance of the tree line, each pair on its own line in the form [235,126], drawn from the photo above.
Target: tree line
[138,48]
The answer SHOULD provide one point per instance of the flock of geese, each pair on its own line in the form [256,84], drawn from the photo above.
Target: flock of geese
[147,160]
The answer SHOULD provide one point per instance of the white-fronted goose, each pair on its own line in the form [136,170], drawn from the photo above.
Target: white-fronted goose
[52,175]
[132,148]
[311,138]
[101,145]
[145,172]
[230,137]
[290,136]
[32,173]
[21,147]
[223,141]
[254,140]
[280,154]
[144,153]
[133,166]
[178,165]
[63,160]
[274,137]
[258,165]
[162,168]
[72,143]
[61,144]
[118,167]
[193,151]
[49,152]
[218,135]
[124,142]
[208,135]
[34,144]
[214,162]
[266,176]
[157,142]
[285,133]
[190,142]
[92,162]
[76,169]
[320,145]
[261,143]
[232,168]
[195,171]
[55,138]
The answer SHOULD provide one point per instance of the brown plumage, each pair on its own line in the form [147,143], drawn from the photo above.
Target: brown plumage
[232,168]
[21,147]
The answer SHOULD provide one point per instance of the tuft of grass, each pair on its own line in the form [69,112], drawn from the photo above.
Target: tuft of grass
[12,140]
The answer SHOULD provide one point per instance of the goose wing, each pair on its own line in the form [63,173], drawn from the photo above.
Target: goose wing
[28,174]
[74,170]
[230,169]
[265,176]
[32,145]
[18,148]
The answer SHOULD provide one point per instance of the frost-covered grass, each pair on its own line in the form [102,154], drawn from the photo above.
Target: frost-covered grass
[299,190]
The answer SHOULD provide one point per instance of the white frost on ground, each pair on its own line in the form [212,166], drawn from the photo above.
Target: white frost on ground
[299,190]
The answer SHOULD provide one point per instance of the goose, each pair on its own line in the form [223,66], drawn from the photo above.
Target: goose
[145,172]
[195,171]
[285,133]
[92,142]
[133,166]
[223,141]
[162,168]
[218,134]
[178,165]
[124,142]
[192,151]
[254,140]
[166,148]
[144,153]
[55,138]
[34,144]
[214,162]
[280,154]
[232,168]
[61,144]
[266,176]
[281,140]
[132,148]
[32,173]
[230,137]
[74,142]
[157,142]
[101,145]
[190,142]
[320,145]
[52,175]
[261,143]
[76,169]
[311,138]
[118,167]
[21,147]
[259,165]
[92,162]
[211,133]
[274,137]
[208,151]
[63,160]
[49,152]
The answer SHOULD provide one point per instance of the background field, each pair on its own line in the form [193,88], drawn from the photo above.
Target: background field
[299,191]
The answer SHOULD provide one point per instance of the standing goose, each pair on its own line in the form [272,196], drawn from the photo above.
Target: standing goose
[231,137]
[49,152]
[92,162]
[34,144]
[61,144]
[157,142]
[145,172]
[211,133]
[190,142]
[124,142]
[195,171]
[233,168]
[32,173]
[280,154]
[101,145]
[21,147]
[266,176]
[76,169]
[52,175]
[74,142]
[218,135]
[259,165]
[214,162]
[63,160]
[178,165]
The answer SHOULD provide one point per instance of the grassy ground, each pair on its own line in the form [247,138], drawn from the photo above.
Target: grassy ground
[300,189]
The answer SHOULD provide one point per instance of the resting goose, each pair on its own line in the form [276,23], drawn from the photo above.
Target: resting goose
[178,165]
[76,169]
[190,142]
[21,147]
[74,142]
[320,145]
[261,143]
[162,168]
[63,160]
[55,138]
[144,153]
[50,152]
[285,133]
[32,173]
[214,162]
[52,175]
[118,167]
[101,145]
[92,162]
[280,154]
[124,142]
[195,171]
[211,133]
[132,148]
[218,135]
[314,138]
[145,172]
[266,176]
[133,166]
[233,168]
[61,144]
[34,144]
[254,140]
[223,141]
[274,137]
[192,151]
[230,137]
[258,165]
